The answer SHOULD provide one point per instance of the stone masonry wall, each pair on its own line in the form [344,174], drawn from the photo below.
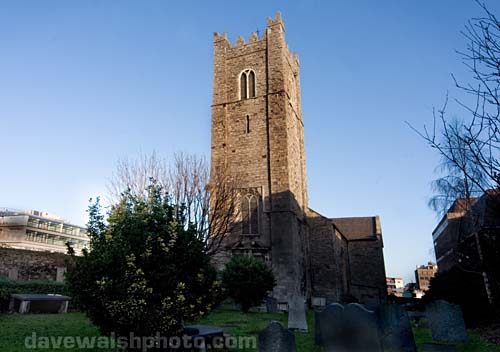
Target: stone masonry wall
[327,260]
[259,142]
[19,264]
[269,156]
[367,269]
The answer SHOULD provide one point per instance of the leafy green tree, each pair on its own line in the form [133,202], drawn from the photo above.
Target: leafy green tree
[247,281]
[145,272]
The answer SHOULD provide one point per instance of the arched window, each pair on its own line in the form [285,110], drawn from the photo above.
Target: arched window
[251,84]
[250,214]
[247,84]
[243,86]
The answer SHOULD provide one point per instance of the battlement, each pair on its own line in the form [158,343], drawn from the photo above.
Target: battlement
[254,38]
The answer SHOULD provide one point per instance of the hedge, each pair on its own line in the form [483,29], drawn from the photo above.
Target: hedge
[8,287]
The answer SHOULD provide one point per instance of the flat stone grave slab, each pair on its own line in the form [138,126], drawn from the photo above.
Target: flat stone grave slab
[206,333]
[38,303]
[203,330]
[431,347]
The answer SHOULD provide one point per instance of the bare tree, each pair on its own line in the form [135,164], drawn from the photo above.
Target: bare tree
[135,175]
[209,203]
[470,150]
[473,146]
[459,177]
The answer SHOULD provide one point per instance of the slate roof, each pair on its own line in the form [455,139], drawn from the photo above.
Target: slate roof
[359,228]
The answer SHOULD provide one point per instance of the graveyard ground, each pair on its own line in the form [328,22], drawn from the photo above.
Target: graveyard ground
[14,328]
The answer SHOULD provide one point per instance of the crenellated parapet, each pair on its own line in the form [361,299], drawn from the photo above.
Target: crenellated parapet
[256,52]
[278,21]
[258,140]
[221,39]
[275,24]
[240,41]
[253,38]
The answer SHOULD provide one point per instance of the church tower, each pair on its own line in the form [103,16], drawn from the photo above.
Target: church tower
[258,139]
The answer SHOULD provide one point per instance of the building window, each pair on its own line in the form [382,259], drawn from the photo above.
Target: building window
[250,214]
[247,84]
[248,124]
[243,85]
[251,84]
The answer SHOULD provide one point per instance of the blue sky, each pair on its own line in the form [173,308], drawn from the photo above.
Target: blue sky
[84,83]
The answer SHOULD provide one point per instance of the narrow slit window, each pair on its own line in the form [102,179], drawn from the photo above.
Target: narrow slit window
[248,124]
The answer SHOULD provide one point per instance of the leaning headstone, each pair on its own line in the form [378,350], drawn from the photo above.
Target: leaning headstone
[271,305]
[297,313]
[352,328]
[446,322]
[395,329]
[275,338]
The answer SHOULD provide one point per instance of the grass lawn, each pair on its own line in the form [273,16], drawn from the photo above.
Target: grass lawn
[474,345]
[14,328]
[240,324]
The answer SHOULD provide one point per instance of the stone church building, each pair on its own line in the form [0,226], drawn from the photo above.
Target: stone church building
[258,139]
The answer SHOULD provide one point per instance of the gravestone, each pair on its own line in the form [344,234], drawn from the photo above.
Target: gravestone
[361,329]
[327,319]
[271,305]
[395,329]
[13,273]
[446,322]
[297,313]
[352,328]
[275,338]
[61,271]
[318,302]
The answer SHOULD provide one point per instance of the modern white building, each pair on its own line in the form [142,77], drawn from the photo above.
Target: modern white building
[40,231]
[395,286]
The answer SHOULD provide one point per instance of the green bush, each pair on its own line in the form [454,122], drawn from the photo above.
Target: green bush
[8,287]
[247,281]
[146,272]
